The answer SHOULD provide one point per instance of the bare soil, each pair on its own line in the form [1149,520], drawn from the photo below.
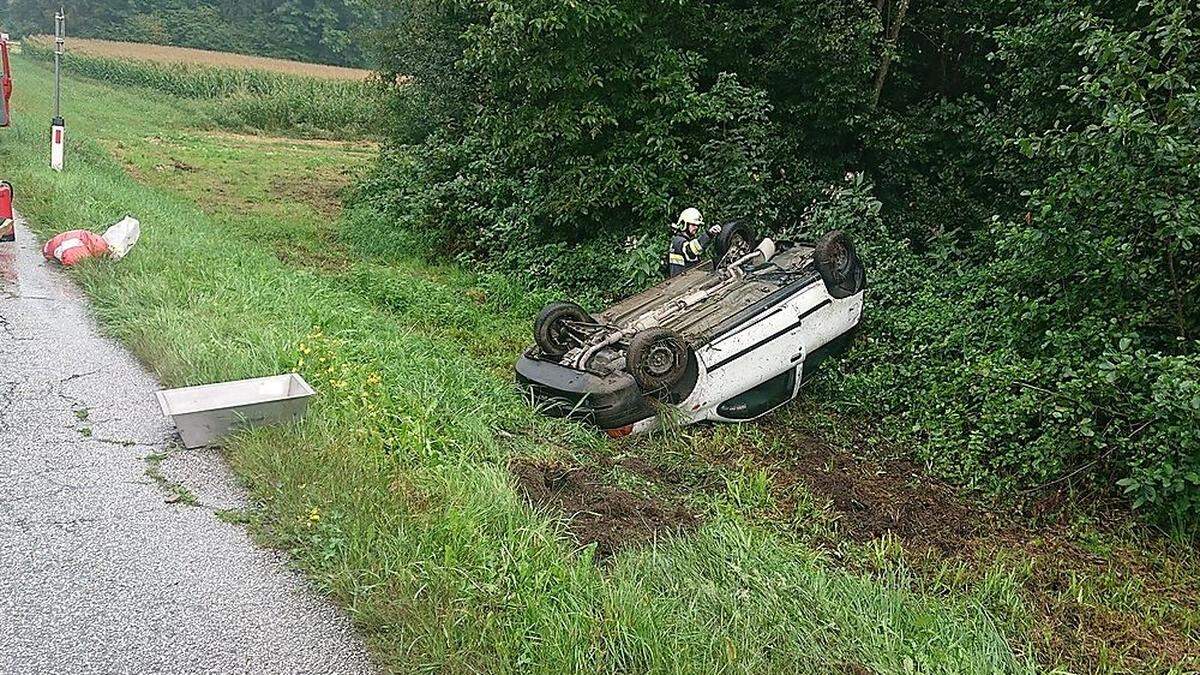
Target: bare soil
[358,146]
[874,498]
[609,517]
[1073,593]
[322,194]
[1131,603]
[869,498]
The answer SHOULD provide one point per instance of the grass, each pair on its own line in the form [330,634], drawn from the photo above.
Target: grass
[176,492]
[393,494]
[237,97]
[417,529]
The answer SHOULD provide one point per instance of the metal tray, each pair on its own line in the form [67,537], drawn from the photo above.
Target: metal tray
[209,411]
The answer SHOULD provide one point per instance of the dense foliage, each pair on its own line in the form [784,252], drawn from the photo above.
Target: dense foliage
[321,31]
[1033,316]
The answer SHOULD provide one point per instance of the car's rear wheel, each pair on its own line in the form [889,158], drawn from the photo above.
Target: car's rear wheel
[657,359]
[556,328]
[838,265]
[734,241]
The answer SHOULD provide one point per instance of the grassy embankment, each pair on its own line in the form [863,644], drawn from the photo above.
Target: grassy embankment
[394,494]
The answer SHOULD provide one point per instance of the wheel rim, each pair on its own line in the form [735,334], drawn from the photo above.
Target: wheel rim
[738,247]
[662,359]
[560,334]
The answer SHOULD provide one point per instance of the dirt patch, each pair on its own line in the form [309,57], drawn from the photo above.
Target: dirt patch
[176,165]
[610,517]
[655,473]
[322,194]
[332,259]
[364,147]
[1092,607]
[1089,604]
[871,498]
[1085,600]
[874,499]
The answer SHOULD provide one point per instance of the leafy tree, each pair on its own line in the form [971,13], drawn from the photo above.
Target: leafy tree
[325,31]
[581,136]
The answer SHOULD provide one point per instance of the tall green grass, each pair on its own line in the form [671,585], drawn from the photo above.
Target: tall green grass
[241,98]
[393,494]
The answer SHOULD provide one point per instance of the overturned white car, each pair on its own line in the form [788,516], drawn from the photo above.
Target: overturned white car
[727,341]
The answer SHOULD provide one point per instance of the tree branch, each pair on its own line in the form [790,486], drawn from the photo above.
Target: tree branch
[889,49]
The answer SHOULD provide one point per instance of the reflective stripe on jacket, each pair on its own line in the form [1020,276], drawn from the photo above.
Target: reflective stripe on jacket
[685,252]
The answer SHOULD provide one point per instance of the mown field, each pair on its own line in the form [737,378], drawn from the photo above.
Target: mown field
[464,533]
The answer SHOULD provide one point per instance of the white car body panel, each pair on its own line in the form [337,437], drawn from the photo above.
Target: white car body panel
[789,340]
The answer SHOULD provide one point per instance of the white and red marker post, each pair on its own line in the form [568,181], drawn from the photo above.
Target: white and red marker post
[5,82]
[58,131]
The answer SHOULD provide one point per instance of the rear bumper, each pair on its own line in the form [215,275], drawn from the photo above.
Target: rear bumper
[609,402]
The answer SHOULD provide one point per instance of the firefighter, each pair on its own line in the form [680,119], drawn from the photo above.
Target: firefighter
[688,241]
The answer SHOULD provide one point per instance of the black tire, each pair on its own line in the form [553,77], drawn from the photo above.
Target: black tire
[657,359]
[838,265]
[550,328]
[734,241]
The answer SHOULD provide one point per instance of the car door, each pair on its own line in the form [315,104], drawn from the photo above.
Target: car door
[758,369]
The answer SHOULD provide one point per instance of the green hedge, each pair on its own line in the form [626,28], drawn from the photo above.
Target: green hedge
[1033,315]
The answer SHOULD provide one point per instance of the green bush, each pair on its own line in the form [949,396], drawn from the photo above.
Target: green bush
[1031,242]
[1063,340]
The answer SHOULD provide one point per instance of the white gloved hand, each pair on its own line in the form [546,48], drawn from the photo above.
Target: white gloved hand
[714,230]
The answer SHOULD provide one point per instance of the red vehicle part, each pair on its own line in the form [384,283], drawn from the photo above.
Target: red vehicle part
[5,84]
[7,232]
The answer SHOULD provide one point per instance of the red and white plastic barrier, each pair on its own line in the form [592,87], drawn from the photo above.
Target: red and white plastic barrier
[7,232]
[72,246]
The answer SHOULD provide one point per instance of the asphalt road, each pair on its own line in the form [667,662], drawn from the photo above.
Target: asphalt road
[99,572]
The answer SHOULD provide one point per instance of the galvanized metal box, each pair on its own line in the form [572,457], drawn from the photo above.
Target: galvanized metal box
[206,412]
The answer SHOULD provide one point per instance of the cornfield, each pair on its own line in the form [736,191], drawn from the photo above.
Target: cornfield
[139,51]
[238,97]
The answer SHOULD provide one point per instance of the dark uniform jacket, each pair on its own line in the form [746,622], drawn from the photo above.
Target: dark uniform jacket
[685,251]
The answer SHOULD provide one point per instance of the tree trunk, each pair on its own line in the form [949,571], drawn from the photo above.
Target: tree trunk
[889,49]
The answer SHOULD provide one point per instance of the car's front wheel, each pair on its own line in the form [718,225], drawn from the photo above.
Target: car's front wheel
[657,359]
